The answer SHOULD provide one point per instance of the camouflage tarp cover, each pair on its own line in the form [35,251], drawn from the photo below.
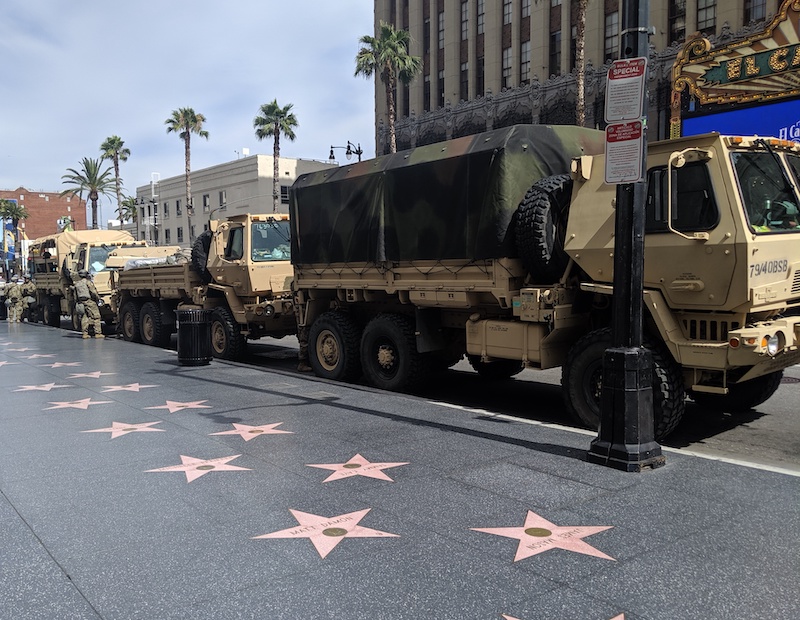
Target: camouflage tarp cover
[451,200]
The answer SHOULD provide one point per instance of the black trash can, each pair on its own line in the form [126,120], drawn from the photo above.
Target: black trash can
[194,337]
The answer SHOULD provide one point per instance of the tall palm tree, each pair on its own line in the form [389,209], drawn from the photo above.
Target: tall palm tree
[12,210]
[274,120]
[387,56]
[185,122]
[114,149]
[580,63]
[90,179]
[129,212]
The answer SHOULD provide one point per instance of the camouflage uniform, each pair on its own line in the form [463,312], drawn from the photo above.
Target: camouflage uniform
[86,294]
[14,296]
[3,309]
[27,290]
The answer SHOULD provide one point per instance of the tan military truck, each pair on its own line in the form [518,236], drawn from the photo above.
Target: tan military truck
[239,270]
[405,263]
[53,260]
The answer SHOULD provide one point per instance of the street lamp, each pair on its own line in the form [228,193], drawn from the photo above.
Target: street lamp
[350,149]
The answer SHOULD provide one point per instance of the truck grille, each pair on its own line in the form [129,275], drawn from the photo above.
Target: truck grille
[708,329]
[796,283]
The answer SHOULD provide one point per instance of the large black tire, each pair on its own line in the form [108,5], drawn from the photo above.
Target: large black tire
[582,377]
[741,397]
[227,341]
[152,330]
[389,354]
[200,250]
[51,313]
[333,341]
[129,322]
[541,226]
[497,370]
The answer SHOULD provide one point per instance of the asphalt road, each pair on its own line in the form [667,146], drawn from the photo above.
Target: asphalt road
[767,436]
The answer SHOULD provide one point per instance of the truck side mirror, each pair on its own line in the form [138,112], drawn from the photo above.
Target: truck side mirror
[676,161]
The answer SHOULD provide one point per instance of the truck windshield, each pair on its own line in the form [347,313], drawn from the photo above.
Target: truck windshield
[770,203]
[270,241]
[98,255]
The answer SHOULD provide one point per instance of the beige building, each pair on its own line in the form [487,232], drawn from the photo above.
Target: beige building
[491,63]
[240,186]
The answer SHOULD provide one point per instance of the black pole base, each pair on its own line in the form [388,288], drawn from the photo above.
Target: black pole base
[625,440]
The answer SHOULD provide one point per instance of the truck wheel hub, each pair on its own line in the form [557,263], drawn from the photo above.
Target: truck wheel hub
[386,356]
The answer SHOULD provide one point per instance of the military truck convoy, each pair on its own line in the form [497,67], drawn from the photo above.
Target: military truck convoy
[499,246]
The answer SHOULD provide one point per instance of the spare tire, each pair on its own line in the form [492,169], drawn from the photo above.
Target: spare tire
[541,226]
[200,250]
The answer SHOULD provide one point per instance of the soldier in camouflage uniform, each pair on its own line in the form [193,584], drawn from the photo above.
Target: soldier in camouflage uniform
[86,294]
[14,297]
[27,298]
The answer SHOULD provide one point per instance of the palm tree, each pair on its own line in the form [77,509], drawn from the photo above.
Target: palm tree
[274,120]
[388,57]
[114,149]
[185,122]
[129,212]
[90,179]
[580,63]
[12,210]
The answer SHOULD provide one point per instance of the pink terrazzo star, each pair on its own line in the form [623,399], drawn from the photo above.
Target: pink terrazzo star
[21,350]
[89,375]
[45,387]
[38,355]
[507,617]
[61,364]
[357,466]
[133,387]
[194,468]
[327,532]
[77,404]
[7,363]
[174,406]
[251,432]
[539,535]
[118,429]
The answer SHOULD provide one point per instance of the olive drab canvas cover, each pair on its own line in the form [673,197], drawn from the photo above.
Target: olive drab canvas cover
[450,200]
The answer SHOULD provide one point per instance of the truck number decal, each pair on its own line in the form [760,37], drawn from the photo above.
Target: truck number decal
[769,267]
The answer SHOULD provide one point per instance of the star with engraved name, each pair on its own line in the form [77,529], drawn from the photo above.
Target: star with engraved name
[118,429]
[132,387]
[89,375]
[538,535]
[21,350]
[357,466]
[37,356]
[174,406]
[45,387]
[4,363]
[248,432]
[327,532]
[507,617]
[61,364]
[194,468]
[84,404]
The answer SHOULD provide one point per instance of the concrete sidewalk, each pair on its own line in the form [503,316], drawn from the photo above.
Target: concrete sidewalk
[135,488]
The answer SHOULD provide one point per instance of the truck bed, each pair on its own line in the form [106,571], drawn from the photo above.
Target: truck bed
[161,281]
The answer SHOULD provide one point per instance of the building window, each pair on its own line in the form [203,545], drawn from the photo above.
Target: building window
[479,78]
[676,16]
[464,82]
[191,234]
[206,202]
[223,199]
[611,46]
[166,210]
[481,16]
[525,62]
[155,235]
[179,234]
[284,194]
[426,93]
[178,210]
[525,8]
[506,67]
[754,10]
[426,36]
[573,48]
[440,89]
[441,30]
[555,53]
[167,236]
[464,20]
[506,12]
[555,2]
[707,16]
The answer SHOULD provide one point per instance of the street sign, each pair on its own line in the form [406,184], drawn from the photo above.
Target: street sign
[625,90]
[624,152]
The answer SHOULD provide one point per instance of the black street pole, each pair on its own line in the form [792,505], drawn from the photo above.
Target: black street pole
[626,437]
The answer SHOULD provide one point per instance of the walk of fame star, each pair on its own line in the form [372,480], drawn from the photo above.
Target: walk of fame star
[251,432]
[507,617]
[194,468]
[8,363]
[89,375]
[174,406]
[357,466]
[327,532]
[61,364]
[21,350]
[133,387]
[45,387]
[538,535]
[38,355]
[77,404]
[118,429]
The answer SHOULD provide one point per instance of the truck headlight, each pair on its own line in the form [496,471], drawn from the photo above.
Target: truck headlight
[773,344]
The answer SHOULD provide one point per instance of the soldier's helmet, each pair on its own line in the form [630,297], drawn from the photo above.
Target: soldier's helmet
[83,273]
[27,278]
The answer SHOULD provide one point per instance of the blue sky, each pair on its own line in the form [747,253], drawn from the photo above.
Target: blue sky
[75,73]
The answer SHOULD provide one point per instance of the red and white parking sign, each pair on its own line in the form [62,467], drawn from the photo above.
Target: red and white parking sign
[625,90]
[624,146]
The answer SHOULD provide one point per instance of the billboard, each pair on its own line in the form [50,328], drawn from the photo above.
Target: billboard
[778,120]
